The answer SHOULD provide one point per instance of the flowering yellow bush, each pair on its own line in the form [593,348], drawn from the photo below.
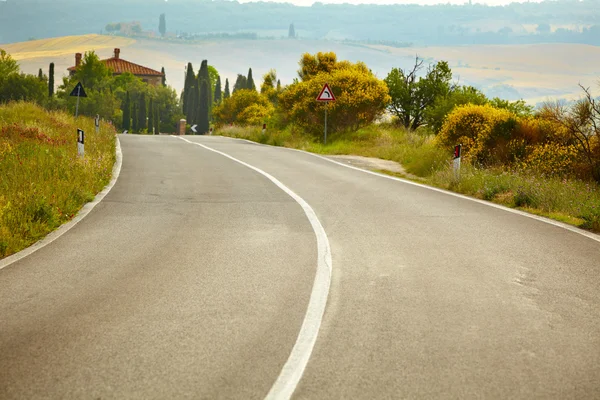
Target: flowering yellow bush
[551,159]
[484,131]
[360,96]
[244,107]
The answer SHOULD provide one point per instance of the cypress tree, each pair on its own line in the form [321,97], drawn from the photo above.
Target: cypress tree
[164,76]
[218,93]
[240,83]
[134,127]
[278,85]
[157,121]
[40,75]
[250,81]
[203,124]
[150,115]
[190,80]
[226,93]
[142,123]
[51,80]
[292,32]
[162,25]
[127,113]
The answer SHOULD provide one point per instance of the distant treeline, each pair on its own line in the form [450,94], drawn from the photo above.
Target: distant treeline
[548,21]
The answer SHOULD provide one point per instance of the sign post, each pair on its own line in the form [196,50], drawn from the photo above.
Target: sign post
[97,123]
[326,96]
[456,161]
[78,92]
[80,142]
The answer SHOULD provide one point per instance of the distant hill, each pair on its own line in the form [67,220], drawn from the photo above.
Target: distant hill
[532,72]
[563,21]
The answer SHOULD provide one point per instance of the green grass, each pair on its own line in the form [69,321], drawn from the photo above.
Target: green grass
[43,182]
[566,200]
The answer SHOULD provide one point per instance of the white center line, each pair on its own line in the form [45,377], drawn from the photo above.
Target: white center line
[292,371]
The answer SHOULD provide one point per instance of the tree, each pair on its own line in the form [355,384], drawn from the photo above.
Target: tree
[278,86]
[292,32]
[7,64]
[240,83]
[164,76]
[435,115]
[40,75]
[250,81]
[519,107]
[582,123]
[218,93]
[162,25]
[150,115]
[245,107]
[156,121]
[22,87]
[127,113]
[411,96]
[226,93]
[203,122]
[134,112]
[268,86]
[51,80]
[142,115]
[543,28]
[311,65]
[92,73]
[188,89]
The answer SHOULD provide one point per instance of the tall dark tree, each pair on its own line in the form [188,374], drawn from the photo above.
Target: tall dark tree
[164,76]
[40,75]
[51,80]
[150,115]
[278,85]
[162,25]
[240,83]
[142,122]
[226,93]
[203,123]
[188,91]
[250,81]
[218,94]
[157,120]
[292,32]
[134,113]
[127,113]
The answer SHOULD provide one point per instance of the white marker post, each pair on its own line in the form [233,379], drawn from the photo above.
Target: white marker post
[456,161]
[97,123]
[264,130]
[326,96]
[80,142]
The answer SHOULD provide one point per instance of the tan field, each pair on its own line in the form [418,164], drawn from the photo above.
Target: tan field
[533,72]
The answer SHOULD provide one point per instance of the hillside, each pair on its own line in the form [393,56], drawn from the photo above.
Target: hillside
[532,72]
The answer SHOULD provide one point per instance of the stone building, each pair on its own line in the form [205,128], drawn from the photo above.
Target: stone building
[119,66]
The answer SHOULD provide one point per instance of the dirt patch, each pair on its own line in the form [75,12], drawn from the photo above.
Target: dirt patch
[370,163]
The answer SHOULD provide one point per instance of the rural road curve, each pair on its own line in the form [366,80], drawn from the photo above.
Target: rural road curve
[192,279]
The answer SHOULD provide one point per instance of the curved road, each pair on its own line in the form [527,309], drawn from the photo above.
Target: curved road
[192,279]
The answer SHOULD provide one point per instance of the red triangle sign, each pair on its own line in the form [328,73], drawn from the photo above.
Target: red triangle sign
[326,94]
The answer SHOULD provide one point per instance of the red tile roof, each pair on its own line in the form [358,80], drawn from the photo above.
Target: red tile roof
[120,66]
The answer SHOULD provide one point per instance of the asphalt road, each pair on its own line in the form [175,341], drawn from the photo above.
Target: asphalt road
[192,279]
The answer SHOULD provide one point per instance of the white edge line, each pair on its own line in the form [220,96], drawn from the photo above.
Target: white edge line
[293,369]
[568,227]
[83,212]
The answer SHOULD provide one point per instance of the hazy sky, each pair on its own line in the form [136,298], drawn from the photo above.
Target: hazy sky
[421,2]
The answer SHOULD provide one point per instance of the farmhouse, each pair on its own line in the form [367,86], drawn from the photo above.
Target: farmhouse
[119,66]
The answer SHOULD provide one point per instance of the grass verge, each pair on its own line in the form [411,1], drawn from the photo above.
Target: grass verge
[570,201]
[43,182]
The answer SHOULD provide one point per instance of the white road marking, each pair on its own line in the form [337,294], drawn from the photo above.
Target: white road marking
[292,371]
[64,228]
[568,227]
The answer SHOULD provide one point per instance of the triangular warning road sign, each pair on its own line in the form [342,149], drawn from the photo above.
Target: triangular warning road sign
[78,91]
[326,94]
